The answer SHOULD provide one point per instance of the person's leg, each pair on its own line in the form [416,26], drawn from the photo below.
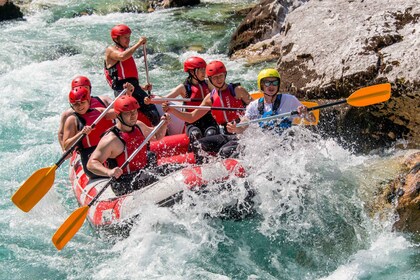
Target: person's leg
[193,132]
[211,130]
[230,149]
[213,143]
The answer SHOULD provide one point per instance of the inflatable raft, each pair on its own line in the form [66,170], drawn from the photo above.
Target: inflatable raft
[111,209]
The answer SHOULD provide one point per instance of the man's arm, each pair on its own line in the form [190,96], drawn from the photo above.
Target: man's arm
[63,119]
[242,93]
[189,117]
[112,55]
[146,130]
[108,147]
[71,134]
[179,90]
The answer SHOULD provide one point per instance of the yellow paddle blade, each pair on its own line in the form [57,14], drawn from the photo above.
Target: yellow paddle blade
[370,95]
[70,227]
[315,112]
[34,188]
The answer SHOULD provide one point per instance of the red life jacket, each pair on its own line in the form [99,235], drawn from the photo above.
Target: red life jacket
[227,99]
[96,102]
[121,70]
[195,91]
[94,136]
[131,140]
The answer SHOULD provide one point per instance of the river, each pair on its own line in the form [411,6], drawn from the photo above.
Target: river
[310,218]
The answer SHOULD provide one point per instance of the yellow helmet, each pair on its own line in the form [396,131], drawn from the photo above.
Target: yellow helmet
[267,73]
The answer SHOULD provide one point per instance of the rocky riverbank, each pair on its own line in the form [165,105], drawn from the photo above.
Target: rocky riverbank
[325,50]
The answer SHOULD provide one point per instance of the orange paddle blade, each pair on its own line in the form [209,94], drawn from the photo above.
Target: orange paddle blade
[34,188]
[315,112]
[370,95]
[257,95]
[70,227]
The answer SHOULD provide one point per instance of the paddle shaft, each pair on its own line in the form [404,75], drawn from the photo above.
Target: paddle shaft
[73,223]
[146,67]
[207,108]
[295,112]
[166,99]
[152,133]
[360,98]
[64,156]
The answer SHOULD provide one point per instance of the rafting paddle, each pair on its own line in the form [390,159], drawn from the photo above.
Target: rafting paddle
[207,108]
[73,223]
[363,97]
[40,182]
[146,67]
[166,99]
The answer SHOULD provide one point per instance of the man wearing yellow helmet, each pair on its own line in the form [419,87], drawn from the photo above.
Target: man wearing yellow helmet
[272,103]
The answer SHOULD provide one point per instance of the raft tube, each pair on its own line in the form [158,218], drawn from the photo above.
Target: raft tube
[111,209]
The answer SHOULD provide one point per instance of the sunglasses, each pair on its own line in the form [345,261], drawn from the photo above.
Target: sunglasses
[269,83]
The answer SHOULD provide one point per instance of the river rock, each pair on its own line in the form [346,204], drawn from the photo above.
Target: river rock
[179,3]
[404,191]
[9,11]
[329,49]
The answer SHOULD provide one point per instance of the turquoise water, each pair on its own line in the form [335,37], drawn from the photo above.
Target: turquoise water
[310,222]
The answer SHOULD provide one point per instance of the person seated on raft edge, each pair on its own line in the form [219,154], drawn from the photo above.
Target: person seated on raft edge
[102,101]
[272,103]
[120,68]
[80,121]
[117,145]
[195,86]
[223,95]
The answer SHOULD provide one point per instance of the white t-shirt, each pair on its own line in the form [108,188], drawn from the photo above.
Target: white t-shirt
[288,103]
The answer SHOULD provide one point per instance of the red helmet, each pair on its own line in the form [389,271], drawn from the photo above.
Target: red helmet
[78,94]
[119,30]
[80,81]
[193,63]
[215,67]
[125,103]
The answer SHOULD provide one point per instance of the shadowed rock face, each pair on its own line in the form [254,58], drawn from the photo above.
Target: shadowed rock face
[327,49]
[178,3]
[9,11]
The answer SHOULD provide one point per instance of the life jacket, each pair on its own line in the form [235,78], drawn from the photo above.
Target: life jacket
[131,140]
[226,98]
[121,71]
[195,91]
[89,118]
[199,91]
[96,102]
[271,124]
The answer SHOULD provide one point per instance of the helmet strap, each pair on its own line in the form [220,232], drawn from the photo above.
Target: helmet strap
[195,75]
[120,118]
[118,44]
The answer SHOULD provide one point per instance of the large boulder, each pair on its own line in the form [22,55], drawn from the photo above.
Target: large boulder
[9,11]
[404,192]
[257,36]
[329,49]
